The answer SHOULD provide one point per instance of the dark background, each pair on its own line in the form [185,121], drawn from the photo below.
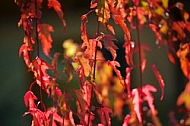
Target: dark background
[15,80]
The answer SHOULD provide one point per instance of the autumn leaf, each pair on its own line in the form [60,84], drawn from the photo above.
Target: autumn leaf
[137,101]
[160,80]
[29,99]
[57,7]
[103,12]
[91,47]
[38,117]
[114,65]
[183,98]
[45,37]
[171,57]
[183,54]
[128,79]
[165,3]
[54,64]
[136,2]
[39,68]
[25,50]
[54,118]
[126,120]
[120,20]
[82,103]
[156,32]
[106,113]
[68,68]
[109,45]
[179,28]
[85,64]
[83,30]
[147,89]
[129,50]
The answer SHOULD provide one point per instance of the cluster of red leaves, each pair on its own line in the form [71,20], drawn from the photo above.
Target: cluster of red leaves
[89,64]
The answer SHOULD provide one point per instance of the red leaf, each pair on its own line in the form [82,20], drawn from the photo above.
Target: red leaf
[114,65]
[120,20]
[40,68]
[53,117]
[126,120]
[109,45]
[149,98]
[57,7]
[136,2]
[156,32]
[105,112]
[128,79]
[25,50]
[171,57]
[137,101]
[29,99]
[45,37]
[160,80]
[129,50]
[83,30]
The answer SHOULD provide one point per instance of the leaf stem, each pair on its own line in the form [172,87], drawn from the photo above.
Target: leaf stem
[36,29]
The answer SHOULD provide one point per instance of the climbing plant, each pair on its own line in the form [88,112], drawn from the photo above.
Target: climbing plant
[102,91]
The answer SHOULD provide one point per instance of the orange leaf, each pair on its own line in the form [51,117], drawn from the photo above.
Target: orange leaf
[45,37]
[25,50]
[120,20]
[57,7]
[184,97]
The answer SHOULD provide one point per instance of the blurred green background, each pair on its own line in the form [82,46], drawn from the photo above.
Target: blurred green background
[15,80]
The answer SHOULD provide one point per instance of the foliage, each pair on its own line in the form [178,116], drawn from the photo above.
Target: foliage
[100,80]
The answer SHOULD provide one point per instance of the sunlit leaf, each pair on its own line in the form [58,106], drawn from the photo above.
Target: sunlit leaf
[106,113]
[45,37]
[83,30]
[114,65]
[129,50]
[156,32]
[178,27]
[29,99]
[128,79]
[184,97]
[120,20]
[137,101]
[126,120]
[160,80]
[165,3]
[183,54]
[57,7]
[25,50]
[147,89]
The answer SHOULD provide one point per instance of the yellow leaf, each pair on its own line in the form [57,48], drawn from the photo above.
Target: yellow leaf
[159,11]
[184,97]
[165,3]
[164,28]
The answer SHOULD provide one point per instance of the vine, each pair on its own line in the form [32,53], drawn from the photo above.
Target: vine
[99,79]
